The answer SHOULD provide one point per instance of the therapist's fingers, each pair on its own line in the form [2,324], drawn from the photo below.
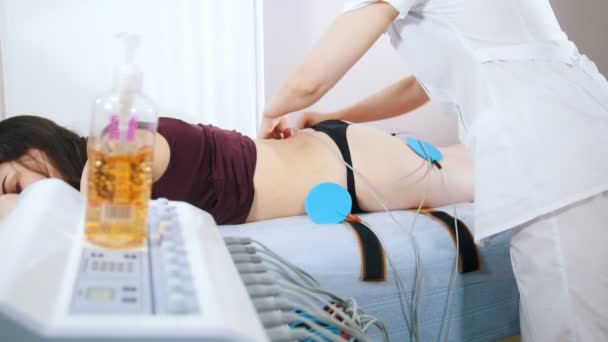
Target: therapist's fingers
[281,127]
[268,128]
[265,128]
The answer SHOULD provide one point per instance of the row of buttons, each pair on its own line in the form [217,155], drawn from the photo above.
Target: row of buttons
[109,266]
[180,297]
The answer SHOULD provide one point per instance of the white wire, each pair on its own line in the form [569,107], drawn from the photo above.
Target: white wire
[350,310]
[456,263]
[306,278]
[376,197]
[412,173]
[279,269]
[452,280]
[323,331]
[313,337]
[286,262]
[419,266]
[455,270]
[418,275]
[303,297]
[294,288]
[350,305]
[414,328]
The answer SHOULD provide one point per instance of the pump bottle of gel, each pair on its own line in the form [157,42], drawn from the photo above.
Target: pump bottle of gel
[120,152]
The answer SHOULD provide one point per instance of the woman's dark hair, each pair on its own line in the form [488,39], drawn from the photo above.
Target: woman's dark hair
[64,149]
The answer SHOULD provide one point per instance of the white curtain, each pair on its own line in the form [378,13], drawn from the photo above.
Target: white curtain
[199,57]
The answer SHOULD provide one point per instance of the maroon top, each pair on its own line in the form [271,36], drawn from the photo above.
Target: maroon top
[210,168]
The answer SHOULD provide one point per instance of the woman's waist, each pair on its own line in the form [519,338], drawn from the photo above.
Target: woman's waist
[285,173]
[302,158]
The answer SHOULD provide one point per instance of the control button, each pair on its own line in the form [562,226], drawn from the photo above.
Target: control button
[119,267]
[174,258]
[175,284]
[177,303]
[129,288]
[173,221]
[168,245]
[94,265]
[173,270]
[129,300]
[102,267]
[177,240]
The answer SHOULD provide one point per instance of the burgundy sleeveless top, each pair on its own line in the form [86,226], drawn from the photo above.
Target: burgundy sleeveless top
[210,168]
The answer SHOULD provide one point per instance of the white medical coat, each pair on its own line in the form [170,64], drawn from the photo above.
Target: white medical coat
[533,111]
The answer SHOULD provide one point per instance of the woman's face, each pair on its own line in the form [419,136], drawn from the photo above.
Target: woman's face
[15,176]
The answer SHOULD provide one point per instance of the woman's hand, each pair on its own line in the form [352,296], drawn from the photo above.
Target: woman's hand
[271,128]
[309,119]
[7,202]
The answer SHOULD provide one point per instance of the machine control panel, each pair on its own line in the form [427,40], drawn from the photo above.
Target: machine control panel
[155,280]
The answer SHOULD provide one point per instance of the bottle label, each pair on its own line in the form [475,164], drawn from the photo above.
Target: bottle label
[117,213]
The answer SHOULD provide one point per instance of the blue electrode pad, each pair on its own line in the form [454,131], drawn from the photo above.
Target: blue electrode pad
[434,155]
[328,203]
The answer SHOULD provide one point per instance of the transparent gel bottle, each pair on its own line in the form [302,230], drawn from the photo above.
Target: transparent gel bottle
[120,151]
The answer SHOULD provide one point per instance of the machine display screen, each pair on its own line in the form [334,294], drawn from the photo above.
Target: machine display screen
[100,294]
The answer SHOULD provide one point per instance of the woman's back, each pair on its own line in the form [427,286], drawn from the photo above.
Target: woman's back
[288,169]
[209,167]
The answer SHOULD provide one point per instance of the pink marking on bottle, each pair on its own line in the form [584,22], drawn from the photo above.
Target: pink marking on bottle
[132,129]
[114,127]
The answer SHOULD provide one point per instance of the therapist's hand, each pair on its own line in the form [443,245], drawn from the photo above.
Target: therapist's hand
[271,128]
[309,119]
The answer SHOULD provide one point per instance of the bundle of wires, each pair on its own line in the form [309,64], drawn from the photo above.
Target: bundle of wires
[290,302]
[409,306]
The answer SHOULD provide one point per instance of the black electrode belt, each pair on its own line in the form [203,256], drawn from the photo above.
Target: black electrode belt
[469,260]
[373,260]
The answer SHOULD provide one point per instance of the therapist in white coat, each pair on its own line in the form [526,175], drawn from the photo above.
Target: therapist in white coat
[533,113]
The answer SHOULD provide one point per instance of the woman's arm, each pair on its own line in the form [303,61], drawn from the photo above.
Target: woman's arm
[399,98]
[343,44]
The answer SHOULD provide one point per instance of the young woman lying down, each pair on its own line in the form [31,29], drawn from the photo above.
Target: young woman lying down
[237,179]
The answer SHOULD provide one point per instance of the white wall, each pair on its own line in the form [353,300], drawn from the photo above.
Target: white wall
[2,106]
[585,23]
[2,101]
[290,30]
[198,57]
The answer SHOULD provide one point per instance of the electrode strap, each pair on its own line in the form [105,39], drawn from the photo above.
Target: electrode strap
[469,259]
[373,259]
